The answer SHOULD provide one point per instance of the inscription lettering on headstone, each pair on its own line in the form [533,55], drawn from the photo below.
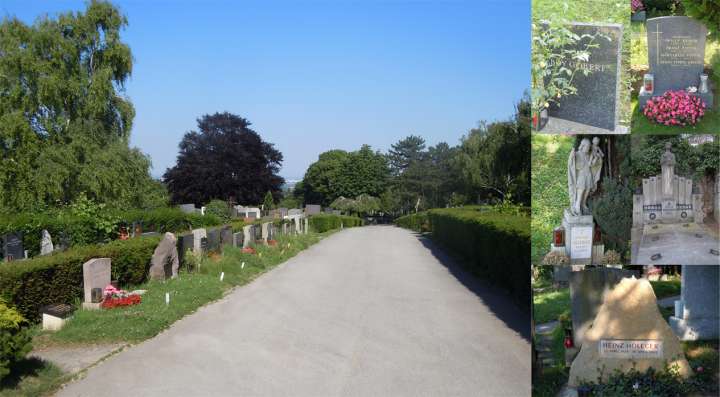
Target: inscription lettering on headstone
[623,348]
[596,102]
[581,242]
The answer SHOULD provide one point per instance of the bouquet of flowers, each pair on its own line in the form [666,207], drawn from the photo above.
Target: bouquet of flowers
[677,108]
[116,297]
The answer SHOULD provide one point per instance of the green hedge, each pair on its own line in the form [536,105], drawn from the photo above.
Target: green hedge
[58,278]
[418,222]
[15,339]
[496,245]
[323,222]
[92,229]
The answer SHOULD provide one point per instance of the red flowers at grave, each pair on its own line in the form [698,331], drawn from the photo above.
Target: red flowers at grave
[675,108]
[248,250]
[272,243]
[116,298]
[109,303]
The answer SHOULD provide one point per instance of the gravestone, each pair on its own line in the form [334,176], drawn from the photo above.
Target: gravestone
[226,236]
[587,288]
[265,231]
[307,225]
[294,211]
[185,243]
[188,208]
[198,235]
[238,239]
[248,235]
[312,209]
[46,244]
[13,246]
[96,274]
[214,240]
[596,103]
[627,333]
[699,317]
[165,260]
[676,55]
[257,230]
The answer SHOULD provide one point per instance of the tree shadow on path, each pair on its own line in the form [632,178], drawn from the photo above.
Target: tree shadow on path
[497,300]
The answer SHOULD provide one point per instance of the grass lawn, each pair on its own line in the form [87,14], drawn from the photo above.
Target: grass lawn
[549,189]
[663,289]
[32,377]
[548,305]
[187,292]
[133,324]
[710,122]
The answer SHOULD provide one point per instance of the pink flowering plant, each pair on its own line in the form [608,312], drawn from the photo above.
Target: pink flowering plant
[675,108]
[637,5]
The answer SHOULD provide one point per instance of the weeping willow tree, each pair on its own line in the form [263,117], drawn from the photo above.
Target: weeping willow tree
[64,119]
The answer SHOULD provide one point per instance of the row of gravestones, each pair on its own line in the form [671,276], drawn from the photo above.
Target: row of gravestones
[202,241]
[240,211]
[12,247]
[167,256]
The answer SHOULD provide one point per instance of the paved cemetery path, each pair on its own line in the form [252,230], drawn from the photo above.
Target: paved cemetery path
[370,311]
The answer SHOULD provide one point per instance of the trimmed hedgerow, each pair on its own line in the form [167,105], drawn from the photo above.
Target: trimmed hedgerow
[418,222]
[494,245]
[58,278]
[97,226]
[321,223]
[15,339]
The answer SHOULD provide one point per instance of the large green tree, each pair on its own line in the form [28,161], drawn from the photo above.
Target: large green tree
[494,159]
[224,160]
[348,174]
[64,121]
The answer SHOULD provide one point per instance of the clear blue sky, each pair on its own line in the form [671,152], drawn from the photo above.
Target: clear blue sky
[318,75]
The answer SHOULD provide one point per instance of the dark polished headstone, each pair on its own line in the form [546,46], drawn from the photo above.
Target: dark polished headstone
[213,240]
[185,243]
[596,102]
[13,246]
[676,52]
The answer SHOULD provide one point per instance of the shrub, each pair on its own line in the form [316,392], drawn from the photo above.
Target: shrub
[323,222]
[58,278]
[613,213]
[418,222]
[220,209]
[83,226]
[15,339]
[675,108]
[496,246]
[706,11]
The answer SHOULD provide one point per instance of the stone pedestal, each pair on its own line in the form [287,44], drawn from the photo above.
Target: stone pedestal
[578,237]
[700,314]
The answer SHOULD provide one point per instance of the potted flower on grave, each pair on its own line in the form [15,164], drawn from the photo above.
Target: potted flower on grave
[638,11]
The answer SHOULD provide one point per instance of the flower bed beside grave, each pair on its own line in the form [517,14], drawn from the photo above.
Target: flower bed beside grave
[675,108]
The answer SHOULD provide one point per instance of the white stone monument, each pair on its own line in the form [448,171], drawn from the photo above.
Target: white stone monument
[96,274]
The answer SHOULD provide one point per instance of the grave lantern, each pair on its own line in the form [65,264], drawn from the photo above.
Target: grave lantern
[568,341]
[649,83]
[559,236]
[703,89]
[597,234]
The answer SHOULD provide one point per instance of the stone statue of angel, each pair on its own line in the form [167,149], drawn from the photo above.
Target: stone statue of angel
[584,166]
